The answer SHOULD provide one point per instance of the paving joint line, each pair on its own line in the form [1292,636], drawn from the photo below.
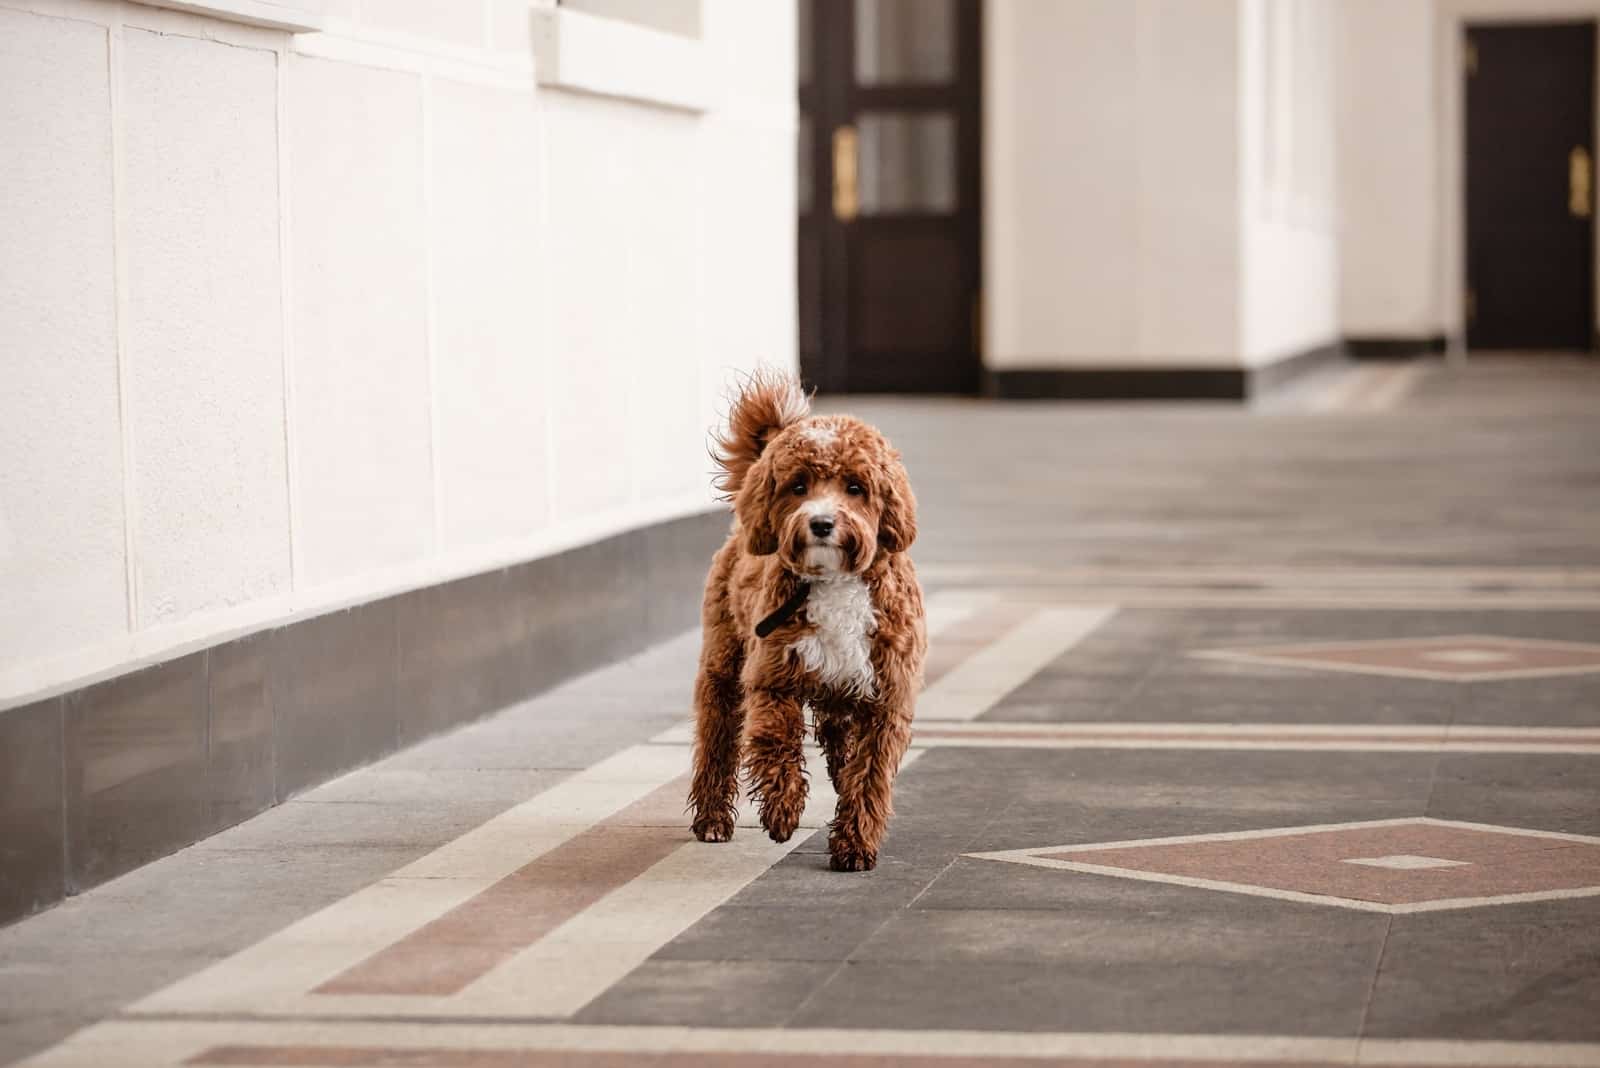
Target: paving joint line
[1372,987]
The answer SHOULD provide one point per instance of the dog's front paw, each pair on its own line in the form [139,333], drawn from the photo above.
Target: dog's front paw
[847,853]
[781,817]
[842,859]
[714,828]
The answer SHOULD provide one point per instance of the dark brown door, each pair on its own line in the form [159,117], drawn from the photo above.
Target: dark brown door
[1530,173]
[889,260]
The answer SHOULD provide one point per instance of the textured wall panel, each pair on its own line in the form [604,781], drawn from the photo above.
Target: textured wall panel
[205,342]
[363,475]
[63,578]
[488,367]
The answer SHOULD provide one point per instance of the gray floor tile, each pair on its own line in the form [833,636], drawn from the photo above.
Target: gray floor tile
[93,954]
[300,824]
[1304,999]
[1570,701]
[732,993]
[801,932]
[262,886]
[382,785]
[1510,972]
[23,1036]
[1547,792]
[903,872]
[1118,926]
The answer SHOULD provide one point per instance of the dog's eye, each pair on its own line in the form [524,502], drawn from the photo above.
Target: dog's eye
[799,487]
[856,489]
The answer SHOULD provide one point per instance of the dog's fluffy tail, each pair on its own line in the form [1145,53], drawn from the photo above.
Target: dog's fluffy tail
[768,401]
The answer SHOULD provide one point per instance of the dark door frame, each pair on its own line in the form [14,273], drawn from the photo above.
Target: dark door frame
[836,99]
[1473,335]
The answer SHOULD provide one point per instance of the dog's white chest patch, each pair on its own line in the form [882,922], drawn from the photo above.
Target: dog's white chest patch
[839,651]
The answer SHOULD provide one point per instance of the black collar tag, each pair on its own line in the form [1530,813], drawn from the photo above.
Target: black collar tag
[786,611]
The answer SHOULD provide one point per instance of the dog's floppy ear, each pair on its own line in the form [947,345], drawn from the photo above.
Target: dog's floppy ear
[753,507]
[897,526]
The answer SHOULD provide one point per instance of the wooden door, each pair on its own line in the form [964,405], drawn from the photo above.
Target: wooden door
[1530,197]
[889,254]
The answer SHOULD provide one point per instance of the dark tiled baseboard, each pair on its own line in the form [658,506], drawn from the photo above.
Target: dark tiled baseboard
[33,855]
[1395,347]
[1154,383]
[103,779]
[1130,383]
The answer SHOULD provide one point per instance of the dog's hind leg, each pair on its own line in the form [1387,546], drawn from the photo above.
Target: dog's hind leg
[835,734]
[719,723]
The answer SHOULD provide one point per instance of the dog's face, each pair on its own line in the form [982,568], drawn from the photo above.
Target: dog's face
[827,495]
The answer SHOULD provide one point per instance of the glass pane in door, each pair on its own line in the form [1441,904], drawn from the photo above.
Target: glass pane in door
[905,42]
[907,163]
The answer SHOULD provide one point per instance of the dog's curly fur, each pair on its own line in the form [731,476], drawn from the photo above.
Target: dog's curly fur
[853,654]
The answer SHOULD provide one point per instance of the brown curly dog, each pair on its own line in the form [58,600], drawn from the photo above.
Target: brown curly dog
[812,601]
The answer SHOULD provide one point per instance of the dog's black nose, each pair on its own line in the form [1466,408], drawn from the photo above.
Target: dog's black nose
[822,526]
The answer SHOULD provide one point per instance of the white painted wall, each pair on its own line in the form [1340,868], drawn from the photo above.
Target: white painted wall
[63,566]
[1289,278]
[1224,182]
[1188,238]
[1128,218]
[203,330]
[1061,196]
[359,325]
[293,322]
[1388,176]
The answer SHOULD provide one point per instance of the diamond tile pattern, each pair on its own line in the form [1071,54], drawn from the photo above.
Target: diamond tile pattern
[1462,658]
[1407,865]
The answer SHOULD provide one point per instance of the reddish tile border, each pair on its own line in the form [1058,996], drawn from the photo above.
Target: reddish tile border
[446,955]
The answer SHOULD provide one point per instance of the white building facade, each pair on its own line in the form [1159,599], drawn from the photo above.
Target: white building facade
[309,303]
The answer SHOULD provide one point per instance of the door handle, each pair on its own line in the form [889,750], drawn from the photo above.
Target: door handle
[846,201]
[1580,183]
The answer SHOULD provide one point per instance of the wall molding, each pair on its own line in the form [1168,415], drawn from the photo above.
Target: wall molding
[417,55]
[268,14]
[585,53]
[174,20]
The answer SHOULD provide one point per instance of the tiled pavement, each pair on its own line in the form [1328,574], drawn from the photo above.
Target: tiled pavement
[1267,737]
